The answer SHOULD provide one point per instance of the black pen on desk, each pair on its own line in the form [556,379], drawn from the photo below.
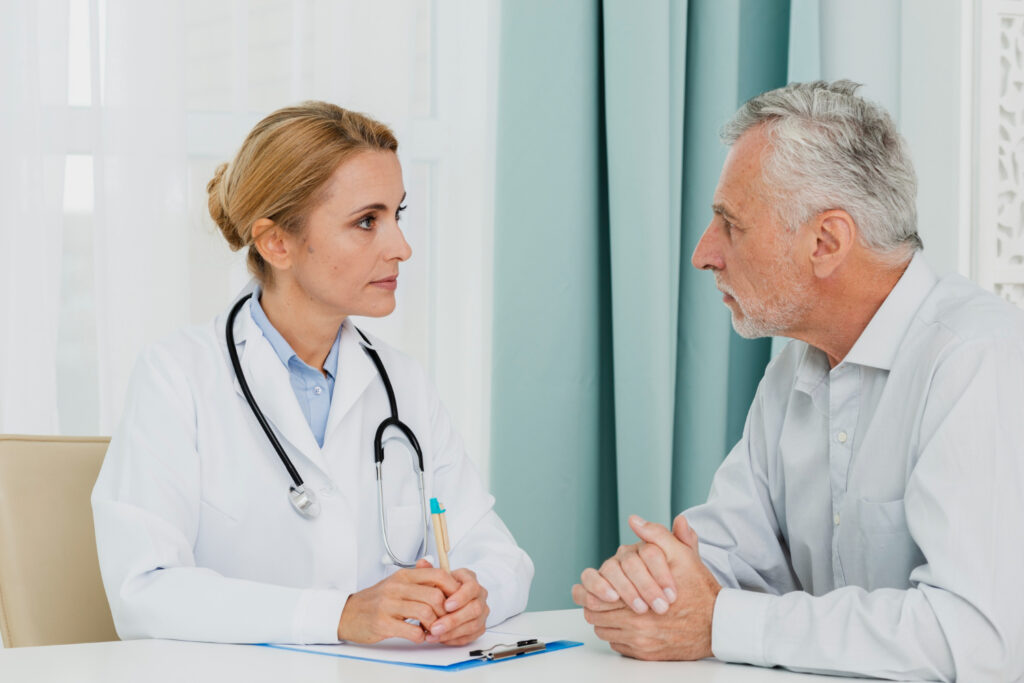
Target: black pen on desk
[440,533]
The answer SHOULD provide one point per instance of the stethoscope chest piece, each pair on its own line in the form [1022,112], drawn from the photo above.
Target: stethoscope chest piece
[304,501]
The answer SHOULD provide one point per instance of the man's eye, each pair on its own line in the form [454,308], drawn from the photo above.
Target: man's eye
[366,223]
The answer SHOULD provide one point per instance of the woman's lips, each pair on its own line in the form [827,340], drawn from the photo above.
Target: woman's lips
[389,283]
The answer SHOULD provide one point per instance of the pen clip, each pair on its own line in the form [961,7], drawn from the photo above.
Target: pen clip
[503,650]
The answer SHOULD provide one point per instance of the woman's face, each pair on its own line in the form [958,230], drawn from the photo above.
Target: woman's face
[346,257]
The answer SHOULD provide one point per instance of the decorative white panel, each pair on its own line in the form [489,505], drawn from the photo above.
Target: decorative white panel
[1000,149]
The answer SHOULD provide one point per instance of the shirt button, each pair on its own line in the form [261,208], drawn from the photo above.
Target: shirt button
[835,519]
[319,390]
[841,437]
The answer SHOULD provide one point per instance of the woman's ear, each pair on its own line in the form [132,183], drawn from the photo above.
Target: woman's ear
[834,233]
[272,243]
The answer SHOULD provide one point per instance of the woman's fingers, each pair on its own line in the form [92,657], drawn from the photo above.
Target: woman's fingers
[468,590]
[475,609]
[465,633]
[399,628]
[429,577]
[466,620]
[428,595]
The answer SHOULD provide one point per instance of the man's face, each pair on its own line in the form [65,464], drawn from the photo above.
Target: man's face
[750,251]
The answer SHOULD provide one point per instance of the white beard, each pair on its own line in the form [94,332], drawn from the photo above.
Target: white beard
[775,314]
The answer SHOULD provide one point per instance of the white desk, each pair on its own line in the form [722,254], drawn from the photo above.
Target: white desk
[168,660]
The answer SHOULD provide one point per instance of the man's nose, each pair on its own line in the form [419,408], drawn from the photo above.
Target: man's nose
[707,255]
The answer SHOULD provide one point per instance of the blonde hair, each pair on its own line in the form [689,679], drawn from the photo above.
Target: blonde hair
[281,167]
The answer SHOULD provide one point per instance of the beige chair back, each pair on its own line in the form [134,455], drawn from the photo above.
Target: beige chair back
[50,587]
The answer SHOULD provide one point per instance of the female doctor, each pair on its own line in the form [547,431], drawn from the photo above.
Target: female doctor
[202,530]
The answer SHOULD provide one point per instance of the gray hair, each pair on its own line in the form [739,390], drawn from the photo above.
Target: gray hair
[832,149]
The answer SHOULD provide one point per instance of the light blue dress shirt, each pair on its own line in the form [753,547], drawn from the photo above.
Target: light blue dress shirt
[313,389]
[871,518]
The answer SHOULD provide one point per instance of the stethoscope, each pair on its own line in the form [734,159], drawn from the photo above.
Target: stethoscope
[304,500]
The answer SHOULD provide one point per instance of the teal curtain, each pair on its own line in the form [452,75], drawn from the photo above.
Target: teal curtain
[618,385]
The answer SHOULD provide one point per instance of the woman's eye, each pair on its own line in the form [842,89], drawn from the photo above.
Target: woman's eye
[366,223]
[398,214]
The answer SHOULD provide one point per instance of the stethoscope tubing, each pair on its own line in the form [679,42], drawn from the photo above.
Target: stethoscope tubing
[240,376]
[304,501]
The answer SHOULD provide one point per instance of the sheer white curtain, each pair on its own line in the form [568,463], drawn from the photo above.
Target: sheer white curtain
[115,114]
[141,198]
[33,81]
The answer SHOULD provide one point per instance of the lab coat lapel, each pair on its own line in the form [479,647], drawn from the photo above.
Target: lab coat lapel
[355,373]
[271,387]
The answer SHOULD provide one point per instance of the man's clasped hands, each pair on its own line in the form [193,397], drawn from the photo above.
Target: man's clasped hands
[653,599]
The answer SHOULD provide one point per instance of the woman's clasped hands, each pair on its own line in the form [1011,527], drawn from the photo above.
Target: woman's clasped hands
[451,608]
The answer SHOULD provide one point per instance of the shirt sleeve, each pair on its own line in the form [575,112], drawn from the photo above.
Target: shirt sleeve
[480,541]
[961,617]
[146,505]
[740,539]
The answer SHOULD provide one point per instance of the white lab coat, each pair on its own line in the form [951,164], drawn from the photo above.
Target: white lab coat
[196,536]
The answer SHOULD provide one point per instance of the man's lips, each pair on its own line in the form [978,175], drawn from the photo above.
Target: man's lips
[726,295]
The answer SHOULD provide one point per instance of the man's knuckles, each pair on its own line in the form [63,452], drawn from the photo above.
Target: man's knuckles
[651,553]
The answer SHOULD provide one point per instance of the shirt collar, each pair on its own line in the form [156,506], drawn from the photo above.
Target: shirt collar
[281,347]
[877,345]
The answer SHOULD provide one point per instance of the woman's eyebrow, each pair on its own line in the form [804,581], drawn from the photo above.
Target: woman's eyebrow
[377,206]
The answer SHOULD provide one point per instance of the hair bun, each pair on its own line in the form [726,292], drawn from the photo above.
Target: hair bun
[218,210]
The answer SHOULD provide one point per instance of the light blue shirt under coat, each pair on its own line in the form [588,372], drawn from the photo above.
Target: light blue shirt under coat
[313,389]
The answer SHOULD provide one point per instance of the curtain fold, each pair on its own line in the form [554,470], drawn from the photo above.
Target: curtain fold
[552,432]
[741,50]
[618,384]
[644,78]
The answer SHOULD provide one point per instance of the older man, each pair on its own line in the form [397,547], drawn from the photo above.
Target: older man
[871,518]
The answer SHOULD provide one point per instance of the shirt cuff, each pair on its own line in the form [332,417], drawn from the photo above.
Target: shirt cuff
[317,616]
[738,626]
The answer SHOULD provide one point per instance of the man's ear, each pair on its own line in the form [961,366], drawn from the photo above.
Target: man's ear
[272,243]
[834,234]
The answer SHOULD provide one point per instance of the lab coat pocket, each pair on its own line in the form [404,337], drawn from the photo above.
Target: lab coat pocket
[226,510]
[405,530]
[884,552]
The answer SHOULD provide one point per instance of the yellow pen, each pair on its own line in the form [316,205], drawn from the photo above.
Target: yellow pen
[440,533]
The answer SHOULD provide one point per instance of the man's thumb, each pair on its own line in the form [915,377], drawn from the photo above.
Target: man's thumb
[653,533]
[684,532]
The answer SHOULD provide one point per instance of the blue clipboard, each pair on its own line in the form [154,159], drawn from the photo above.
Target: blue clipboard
[470,663]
